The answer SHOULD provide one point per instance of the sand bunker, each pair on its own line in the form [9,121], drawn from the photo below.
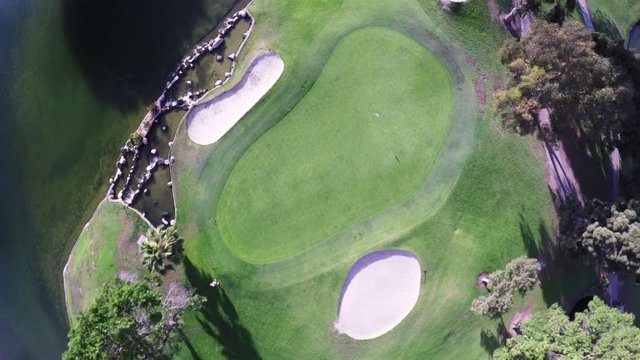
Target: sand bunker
[380,291]
[211,120]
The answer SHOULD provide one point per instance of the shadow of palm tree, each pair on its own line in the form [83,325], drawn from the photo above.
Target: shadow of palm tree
[219,318]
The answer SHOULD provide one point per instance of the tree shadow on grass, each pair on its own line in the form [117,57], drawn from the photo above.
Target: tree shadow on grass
[602,23]
[493,340]
[565,277]
[590,163]
[219,318]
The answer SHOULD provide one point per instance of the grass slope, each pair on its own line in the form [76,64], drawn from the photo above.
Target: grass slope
[359,141]
[102,250]
[614,17]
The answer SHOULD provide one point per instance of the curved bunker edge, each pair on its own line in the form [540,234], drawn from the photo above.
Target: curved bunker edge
[379,292]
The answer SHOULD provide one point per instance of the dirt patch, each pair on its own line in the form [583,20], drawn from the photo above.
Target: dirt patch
[522,316]
[494,10]
[486,84]
[128,257]
[480,284]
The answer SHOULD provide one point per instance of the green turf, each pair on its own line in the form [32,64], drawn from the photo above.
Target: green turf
[614,17]
[484,201]
[360,141]
[100,252]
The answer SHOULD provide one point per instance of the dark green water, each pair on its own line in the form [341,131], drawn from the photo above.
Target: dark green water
[76,76]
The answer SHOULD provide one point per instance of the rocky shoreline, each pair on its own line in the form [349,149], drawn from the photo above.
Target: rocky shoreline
[128,183]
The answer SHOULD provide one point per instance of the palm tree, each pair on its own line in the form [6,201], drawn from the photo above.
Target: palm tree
[161,247]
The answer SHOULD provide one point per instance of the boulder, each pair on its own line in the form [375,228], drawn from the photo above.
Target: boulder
[217,42]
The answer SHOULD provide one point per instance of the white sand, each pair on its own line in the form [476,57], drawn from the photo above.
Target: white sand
[211,120]
[379,293]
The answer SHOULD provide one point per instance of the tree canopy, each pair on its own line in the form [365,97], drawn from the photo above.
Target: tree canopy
[600,332]
[520,274]
[609,232]
[131,321]
[557,68]
[615,240]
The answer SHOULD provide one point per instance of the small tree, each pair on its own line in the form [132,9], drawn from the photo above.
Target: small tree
[523,273]
[615,240]
[600,333]
[135,139]
[520,274]
[131,321]
[500,298]
[160,248]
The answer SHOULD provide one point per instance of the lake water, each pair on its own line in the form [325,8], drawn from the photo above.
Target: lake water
[76,76]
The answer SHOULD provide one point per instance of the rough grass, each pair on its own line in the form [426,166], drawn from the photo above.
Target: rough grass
[359,142]
[103,248]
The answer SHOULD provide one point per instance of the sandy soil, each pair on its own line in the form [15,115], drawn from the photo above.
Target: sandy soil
[380,291]
[211,120]
[520,318]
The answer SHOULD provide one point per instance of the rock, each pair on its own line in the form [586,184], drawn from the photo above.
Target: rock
[166,162]
[227,74]
[170,143]
[165,222]
[189,82]
[217,42]
[169,184]
[146,191]
[164,128]
[172,223]
[232,56]
[219,57]
[145,141]
[172,159]
[154,151]
[219,82]
[242,13]
[122,160]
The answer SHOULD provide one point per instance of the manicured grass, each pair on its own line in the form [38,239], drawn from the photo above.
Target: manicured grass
[477,211]
[483,203]
[104,248]
[614,17]
[363,139]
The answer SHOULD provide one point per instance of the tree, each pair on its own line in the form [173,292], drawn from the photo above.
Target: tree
[600,333]
[520,274]
[160,248]
[558,69]
[614,240]
[131,321]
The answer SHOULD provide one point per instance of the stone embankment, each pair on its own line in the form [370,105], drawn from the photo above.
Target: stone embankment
[131,186]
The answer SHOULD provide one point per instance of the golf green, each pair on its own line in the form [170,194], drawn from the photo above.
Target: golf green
[363,139]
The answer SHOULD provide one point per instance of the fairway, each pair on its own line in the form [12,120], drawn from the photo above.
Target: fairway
[363,139]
